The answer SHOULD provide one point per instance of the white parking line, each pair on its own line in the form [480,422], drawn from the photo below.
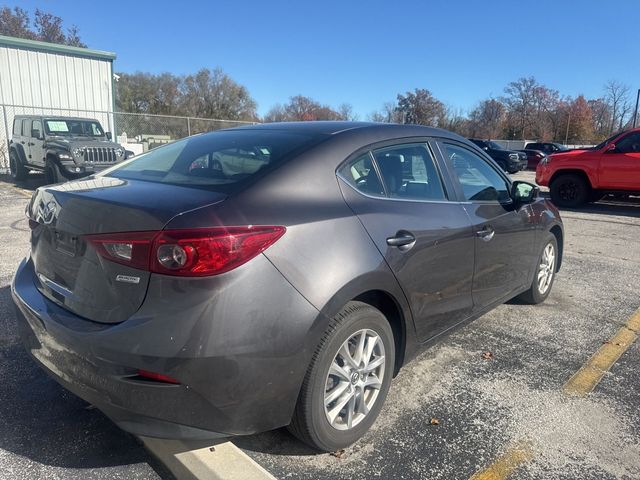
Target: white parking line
[191,461]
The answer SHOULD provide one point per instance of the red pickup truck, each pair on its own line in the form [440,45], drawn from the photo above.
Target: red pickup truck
[586,175]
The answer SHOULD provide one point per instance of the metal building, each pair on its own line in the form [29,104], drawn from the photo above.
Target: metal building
[50,79]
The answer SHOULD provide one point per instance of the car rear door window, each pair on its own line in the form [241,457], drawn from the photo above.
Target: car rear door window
[478,180]
[361,175]
[409,172]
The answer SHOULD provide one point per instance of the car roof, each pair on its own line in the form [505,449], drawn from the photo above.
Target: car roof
[54,117]
[390,130]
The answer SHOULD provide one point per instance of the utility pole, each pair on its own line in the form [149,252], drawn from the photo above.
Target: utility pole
[635,112]
[566,135]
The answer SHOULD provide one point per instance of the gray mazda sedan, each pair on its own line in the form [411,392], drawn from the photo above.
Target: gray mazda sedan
[274,275]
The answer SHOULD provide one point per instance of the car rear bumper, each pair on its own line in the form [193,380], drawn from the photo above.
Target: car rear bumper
[516,165]
[226,388]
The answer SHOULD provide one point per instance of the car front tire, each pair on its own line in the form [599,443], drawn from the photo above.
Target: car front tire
[545,272]
[52,173]
[347,381]
[569,190]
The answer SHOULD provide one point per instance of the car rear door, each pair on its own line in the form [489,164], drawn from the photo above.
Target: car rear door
[36,142]
[504,233]
[620,168]
[401,198]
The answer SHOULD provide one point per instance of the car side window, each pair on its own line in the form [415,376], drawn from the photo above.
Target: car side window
[479,181]
[26,123]
[17,127]
[361,174]
[629,144]
[409,172]
[36,125]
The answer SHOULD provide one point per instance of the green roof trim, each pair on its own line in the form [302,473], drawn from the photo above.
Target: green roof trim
[55,48]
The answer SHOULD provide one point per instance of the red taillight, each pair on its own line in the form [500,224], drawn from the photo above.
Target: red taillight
[189,253]
[158,377]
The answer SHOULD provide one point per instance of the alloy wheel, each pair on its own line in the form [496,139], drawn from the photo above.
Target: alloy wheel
[354,379]
[547,268]
[568,191]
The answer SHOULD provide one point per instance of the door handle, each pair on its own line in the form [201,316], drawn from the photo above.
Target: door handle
[31,144]
[402,239]
[22,142]
[486,233]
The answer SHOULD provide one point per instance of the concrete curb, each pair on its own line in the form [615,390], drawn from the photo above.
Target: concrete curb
[193,461]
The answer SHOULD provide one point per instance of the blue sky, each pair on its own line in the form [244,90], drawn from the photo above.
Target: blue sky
[365,53]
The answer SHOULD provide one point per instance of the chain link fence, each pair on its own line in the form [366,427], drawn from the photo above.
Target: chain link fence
[137,132]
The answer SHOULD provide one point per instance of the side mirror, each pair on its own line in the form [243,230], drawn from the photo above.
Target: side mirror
[524,192]
[610,148]
[108,135]
[35,133]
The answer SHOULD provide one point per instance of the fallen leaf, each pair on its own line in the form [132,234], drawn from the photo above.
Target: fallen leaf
[338,453]
[434,421]
[487,355]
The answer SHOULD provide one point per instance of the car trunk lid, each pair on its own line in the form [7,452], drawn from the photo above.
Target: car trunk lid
[69,270]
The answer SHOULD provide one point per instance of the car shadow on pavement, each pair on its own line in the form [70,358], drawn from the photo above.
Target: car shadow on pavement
[609,205]
[275,442]
[44,423]
[33,181]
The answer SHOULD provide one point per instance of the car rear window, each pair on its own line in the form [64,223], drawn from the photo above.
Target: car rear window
[17,127]
[224,161]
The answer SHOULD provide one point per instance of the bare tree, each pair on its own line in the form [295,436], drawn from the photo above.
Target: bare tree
[601,118]
[346,112]
[617,96]
[388,114]
[519,100]
[277,113]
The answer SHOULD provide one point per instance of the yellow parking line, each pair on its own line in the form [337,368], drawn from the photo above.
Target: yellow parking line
[506,464]
[581,383]
[585,379]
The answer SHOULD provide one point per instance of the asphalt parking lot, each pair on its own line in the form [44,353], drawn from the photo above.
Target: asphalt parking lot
[449,415]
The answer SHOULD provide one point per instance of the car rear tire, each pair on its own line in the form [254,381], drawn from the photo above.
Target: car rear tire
[16,168]
[347,381]
[569,190]
[545,272]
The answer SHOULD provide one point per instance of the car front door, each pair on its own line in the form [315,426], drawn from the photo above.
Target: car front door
[36,142]
[402,200]
[620,168]
[504,233]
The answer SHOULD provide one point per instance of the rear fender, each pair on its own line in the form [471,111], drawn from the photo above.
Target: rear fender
[19,149]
